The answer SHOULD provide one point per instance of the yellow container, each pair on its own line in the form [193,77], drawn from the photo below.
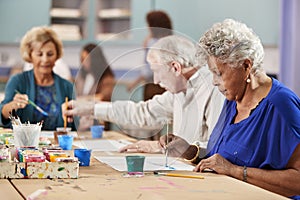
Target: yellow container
[53,156]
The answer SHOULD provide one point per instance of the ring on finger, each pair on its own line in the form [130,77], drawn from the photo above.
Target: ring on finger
[18,104]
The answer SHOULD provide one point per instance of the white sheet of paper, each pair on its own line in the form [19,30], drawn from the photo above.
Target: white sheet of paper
[101,145]
[151,163]
[50,134]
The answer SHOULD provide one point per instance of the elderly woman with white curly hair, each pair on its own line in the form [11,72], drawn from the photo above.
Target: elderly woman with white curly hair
[257,136]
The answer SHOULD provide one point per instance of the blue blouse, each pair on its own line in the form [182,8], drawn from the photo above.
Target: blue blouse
[267,138]
[25,84]
[47,100]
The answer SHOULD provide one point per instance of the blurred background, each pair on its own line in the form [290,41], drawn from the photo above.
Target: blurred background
[119,26]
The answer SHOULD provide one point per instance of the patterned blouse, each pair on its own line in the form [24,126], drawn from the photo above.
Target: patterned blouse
[47,100]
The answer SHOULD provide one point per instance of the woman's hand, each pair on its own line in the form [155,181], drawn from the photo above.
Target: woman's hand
[216,163]
[20,101]
[142,146]
[176,145]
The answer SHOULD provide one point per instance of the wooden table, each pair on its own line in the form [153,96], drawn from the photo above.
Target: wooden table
[7,191]
[100,181]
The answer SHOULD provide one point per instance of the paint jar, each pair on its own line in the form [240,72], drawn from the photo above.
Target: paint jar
[34,158]
[135,163]
[97,131]
[54,156]
[65,141]
[83,155]
[60,131]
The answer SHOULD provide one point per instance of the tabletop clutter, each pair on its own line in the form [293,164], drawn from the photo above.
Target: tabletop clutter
[27,134]
[24,154]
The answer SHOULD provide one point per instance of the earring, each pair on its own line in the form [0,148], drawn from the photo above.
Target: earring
[248,80]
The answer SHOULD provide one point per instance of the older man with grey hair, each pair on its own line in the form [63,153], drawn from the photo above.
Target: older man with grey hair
[191,103]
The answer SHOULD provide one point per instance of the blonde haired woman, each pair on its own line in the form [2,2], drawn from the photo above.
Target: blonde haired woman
[41,47]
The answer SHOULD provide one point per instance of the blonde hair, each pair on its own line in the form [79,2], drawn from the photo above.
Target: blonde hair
[42,34]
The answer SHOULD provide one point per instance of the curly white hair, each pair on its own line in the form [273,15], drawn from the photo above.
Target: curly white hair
[232,42]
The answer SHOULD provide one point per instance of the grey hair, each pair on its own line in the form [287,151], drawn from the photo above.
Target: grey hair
[232,42]
[175,48]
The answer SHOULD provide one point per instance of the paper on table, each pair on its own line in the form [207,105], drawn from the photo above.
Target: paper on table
[151,163]
[101,145]
[50,134]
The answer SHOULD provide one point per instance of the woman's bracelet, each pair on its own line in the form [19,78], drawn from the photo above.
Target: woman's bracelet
[245,174]
[196,156]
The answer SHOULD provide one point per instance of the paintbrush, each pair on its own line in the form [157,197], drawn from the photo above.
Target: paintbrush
[35,106]
[65,117]
[178,175]
[166,150]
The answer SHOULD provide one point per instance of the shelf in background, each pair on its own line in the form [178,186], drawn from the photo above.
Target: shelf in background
[74,19]
[67,31]
[69,19]
[114,13]
[83,19]
[114,17]
[74,4]
[65,13]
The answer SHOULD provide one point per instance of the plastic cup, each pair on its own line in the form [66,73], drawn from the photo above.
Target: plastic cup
[60,131]
[97,131]
[83,155]
[65,141]
[135,163]
[27,135]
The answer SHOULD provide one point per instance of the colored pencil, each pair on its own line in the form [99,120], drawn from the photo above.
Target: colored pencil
[179,175]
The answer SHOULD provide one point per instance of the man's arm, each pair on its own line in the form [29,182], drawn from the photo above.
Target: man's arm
[151,113]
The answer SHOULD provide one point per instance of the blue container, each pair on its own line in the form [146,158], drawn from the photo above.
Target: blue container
[97,131]
[65,141]
[83,155]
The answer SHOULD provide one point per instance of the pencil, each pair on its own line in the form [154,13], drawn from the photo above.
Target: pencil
[65,117]
[179,175]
